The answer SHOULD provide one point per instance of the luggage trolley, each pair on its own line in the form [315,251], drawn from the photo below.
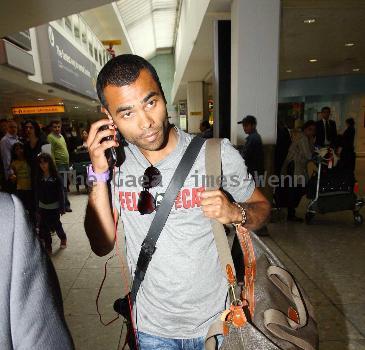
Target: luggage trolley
[332,190]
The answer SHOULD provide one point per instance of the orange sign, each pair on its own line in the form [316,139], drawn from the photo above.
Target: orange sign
[38,109]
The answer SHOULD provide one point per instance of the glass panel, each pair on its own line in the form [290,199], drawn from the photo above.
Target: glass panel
[91,49]
[68,23]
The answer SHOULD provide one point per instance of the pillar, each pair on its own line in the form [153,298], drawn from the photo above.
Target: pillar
[255,31]
[195,105]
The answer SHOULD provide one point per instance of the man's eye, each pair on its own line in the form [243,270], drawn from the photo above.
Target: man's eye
[126,115]
[151,103]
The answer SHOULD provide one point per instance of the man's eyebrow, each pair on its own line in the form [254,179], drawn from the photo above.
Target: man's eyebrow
[145,99]
[123,108]
[151,94]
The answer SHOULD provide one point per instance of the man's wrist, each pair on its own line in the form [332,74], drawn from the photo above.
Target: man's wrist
[93,177]
[241,217]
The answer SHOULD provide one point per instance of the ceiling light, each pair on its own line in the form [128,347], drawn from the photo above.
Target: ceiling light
[313,60]
[349,44]
[289,71]
[356,70]
[309,21]
[76,107]
[40,99]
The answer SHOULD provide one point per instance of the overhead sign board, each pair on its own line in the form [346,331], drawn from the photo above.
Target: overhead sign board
[65,65]
[38,110]
[21,39]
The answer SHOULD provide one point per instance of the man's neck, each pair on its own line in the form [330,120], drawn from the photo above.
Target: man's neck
[155,156]
[57,135]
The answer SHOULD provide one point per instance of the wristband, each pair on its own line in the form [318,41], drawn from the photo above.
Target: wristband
[244,215]
[96,177]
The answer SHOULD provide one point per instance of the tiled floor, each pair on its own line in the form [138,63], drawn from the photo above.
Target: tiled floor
[327,257]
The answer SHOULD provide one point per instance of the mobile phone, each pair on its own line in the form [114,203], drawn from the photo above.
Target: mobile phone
[110,153]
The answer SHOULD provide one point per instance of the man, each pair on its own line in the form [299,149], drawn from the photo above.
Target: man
[326,133]
[60,155]
[3,127]
[6,144]
[30,296]
[184,289]
[3,131]
[252,151]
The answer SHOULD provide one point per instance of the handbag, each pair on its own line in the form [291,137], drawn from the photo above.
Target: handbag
[270,310]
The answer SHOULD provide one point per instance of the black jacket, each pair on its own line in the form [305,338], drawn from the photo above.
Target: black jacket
[320,132]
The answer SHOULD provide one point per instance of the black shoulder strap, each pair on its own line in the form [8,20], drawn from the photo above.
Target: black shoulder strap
[149,244]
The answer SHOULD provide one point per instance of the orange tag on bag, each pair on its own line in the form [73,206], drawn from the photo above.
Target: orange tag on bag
[238,316]
[293,314]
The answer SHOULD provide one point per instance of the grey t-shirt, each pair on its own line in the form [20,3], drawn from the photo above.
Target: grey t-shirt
[184,289]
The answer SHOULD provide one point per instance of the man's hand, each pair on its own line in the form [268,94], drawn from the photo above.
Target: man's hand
[216,205]
[97,149]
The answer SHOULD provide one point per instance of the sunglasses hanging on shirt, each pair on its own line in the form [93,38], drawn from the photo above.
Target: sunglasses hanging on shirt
[146,202]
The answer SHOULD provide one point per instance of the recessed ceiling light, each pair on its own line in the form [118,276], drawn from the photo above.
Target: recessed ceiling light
[40,99]
[356,70]
[76,107]
[349,44]
[288,70]
[309,21]
[313,60]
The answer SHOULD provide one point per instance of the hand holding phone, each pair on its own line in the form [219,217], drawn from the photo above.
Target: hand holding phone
[101,138]
[110,153]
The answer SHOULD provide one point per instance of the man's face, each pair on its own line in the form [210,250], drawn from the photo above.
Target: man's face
[248,128]
[56,128]
[139,112]
[12,128]
[326,114]
[3,127]
[28,129]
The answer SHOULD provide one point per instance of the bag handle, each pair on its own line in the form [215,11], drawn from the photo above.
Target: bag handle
[149,243]
[213,166]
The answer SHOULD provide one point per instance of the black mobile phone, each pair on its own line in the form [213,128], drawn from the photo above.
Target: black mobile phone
[110,153]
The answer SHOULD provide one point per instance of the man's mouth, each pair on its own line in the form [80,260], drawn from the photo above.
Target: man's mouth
[151,136]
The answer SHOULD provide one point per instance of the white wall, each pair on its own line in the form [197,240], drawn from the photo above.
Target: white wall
[255,62]
[191,18]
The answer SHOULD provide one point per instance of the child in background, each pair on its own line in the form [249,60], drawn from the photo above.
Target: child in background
[21,176]
[50,201]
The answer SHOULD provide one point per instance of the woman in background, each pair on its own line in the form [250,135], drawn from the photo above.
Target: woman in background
[50,201]
[295,165]
[347,149]
[21,177]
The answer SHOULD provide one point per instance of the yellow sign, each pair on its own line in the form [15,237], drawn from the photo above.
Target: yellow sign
[38,110]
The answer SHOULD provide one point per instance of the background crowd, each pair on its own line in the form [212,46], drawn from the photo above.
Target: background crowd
[35,166]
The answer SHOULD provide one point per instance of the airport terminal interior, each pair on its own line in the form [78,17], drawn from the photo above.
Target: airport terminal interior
[282,80]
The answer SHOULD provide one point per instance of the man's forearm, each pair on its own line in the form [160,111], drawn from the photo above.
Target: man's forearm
[99,223]
[257,214]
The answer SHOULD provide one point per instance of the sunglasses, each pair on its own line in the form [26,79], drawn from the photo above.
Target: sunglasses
[146,202]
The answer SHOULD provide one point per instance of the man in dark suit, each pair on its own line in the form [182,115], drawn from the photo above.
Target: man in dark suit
[30,298]
[326,134]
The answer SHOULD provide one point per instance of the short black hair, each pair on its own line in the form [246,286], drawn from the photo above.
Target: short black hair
[124,70]
[350,121]
[326,108]
[2,120]
[55,121]
[308,124]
